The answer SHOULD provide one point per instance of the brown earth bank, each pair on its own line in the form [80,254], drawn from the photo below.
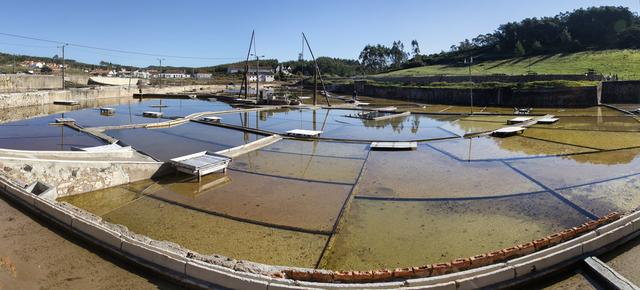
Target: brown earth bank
[36,256]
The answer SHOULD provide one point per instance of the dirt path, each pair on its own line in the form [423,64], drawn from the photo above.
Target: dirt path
[35,256]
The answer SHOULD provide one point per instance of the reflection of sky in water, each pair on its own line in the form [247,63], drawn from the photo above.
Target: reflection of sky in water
[37,134]
[335,124]
[131,112]
[167,143]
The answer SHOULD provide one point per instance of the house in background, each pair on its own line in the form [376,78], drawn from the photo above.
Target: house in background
[202,75]
[263,77]
[252,69]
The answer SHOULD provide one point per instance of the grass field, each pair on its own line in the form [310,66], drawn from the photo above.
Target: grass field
[624,63]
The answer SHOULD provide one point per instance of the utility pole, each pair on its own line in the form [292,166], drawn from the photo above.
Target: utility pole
[63,66]
[13,68]
[160,72]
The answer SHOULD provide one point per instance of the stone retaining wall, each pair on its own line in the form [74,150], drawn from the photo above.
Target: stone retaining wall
[498,97]
[75,172]
[9,100]
[425,80]
[621,92]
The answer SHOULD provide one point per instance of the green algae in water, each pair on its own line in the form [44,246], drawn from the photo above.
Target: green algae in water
[386,234]
[426,173]
[208,234]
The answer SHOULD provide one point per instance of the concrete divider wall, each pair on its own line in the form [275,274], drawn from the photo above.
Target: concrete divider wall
[499,97]
[23,83]
[10,100]
[208,271]
[621,92]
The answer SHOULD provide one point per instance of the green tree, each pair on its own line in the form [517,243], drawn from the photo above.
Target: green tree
[519,49]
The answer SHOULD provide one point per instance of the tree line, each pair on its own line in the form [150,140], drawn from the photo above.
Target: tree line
[594,28]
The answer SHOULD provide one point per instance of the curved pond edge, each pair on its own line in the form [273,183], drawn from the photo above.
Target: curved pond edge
[179,264]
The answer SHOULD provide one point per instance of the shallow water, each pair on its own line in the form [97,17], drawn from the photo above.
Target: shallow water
[426,173]
[587,139]
[386,234]
[38,134]
[483,148]
[335,124]
[447,199]
[167,143]
[619,195]
[291,203]
[559,172]
[309,167]
[209,234]
[131,112]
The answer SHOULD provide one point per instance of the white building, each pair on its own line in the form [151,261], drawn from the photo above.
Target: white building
[141,74]
[252,69]
[203,75]
[264,77]
[173,75]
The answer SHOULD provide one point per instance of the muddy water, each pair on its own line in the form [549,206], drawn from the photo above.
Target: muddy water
[37,134]
[209,234]
[379,234]
[167,143]
[482,148]
[336,124]
[426,173]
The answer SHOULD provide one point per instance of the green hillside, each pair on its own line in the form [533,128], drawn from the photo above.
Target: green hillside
[624,63]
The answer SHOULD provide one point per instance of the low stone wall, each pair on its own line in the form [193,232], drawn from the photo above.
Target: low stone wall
[498,97]
[10,100]
[23,83]
[425,80]
[75,172]
[621,92]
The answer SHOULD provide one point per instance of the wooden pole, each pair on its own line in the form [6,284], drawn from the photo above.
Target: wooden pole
[315,88]
[317,69]
[245,80]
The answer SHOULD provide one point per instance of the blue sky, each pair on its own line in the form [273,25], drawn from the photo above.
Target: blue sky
[220,30]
